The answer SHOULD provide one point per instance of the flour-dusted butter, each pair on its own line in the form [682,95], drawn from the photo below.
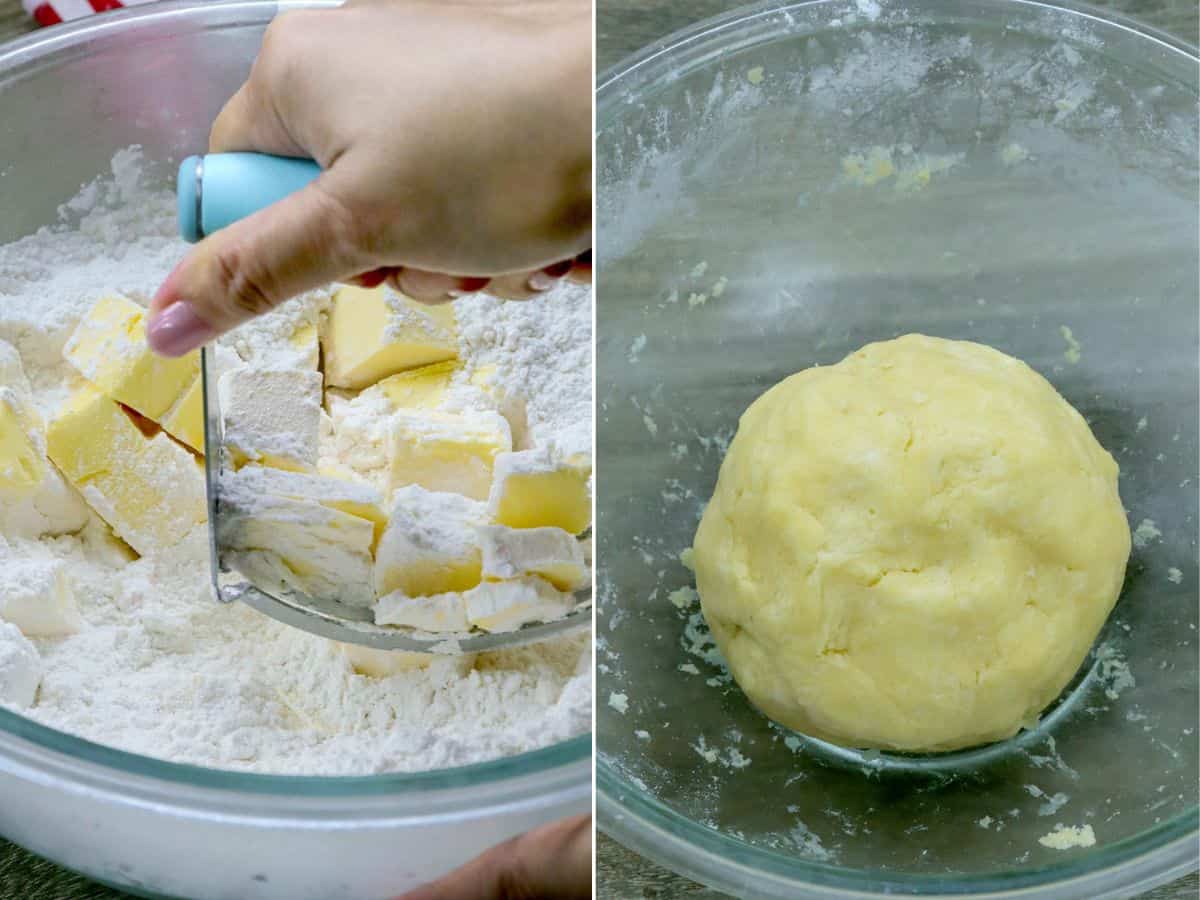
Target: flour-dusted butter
[423,388]
[372,333]
[22,468]
[446,452]
[550,553]
[20,668]
[34,499]
[38,596]
[305,344]
[430,545]
[351,496]
[508,605]
[534,488]
[386,663]
[185,420]
[108,347]
[272,417]
[435,612]
[298,544]
[149,490]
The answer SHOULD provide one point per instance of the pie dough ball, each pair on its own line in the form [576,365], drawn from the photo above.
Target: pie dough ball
[913,549]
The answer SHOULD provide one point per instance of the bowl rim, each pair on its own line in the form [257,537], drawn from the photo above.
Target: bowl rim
[27,743]
[647,826]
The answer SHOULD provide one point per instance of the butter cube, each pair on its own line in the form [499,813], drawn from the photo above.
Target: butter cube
[185,420]
[20,668]
[306,346]
[298,545]
[352,497]
[386,663]
[507,605]
[534,488]
[38,596]
[435,613]
[12,373]
[22,468]
[34,499]
[444,452]
[109,349]
[510,404]
[272,417]
[371,334]
[550,553]
[423,388]
[430,545]
[150,491]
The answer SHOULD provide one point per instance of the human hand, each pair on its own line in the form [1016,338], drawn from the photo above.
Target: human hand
[455,139]
[553,862]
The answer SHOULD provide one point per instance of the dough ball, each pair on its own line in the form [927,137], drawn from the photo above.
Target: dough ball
[913,549]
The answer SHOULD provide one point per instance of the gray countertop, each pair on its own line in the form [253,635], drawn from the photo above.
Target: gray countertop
[622,26]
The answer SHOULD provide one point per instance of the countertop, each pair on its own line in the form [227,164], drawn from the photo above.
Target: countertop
[622,27]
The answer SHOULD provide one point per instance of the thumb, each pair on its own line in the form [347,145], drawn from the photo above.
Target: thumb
[242,271]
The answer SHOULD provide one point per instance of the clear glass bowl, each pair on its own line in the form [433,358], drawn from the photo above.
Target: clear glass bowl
[72,96]
[781,185]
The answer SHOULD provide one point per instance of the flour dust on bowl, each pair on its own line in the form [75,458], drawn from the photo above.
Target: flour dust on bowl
[781,186]
[151,737]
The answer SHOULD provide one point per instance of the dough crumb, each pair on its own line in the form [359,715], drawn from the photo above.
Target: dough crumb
[682,598]
[1146,532]
[755,75]
[619,702]
[1073,352]
[635,349]
[1174,575]
[1064,837]
[695,300]
[1013,154]
[700,268]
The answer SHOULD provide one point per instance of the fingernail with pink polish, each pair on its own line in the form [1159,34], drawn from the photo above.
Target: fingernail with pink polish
[178,330]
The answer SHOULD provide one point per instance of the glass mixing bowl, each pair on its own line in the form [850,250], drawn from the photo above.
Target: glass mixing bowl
[781,185]
[72,96]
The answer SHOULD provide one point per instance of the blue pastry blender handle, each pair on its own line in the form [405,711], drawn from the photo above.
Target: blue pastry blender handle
[218,189]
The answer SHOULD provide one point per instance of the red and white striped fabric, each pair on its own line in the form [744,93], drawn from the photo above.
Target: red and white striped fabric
[51,12]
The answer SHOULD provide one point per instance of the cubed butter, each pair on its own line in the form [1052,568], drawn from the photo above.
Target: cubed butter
[551,553]
[34,499]
[185,420]
[435,613]
[508,605]
[511,404]
[12,373]
[272,417]
[38,596]
[299,545]
[306,346]
[22,468]
[445,452]
[20,668]
[351,496]
[109,349]
[150,491]
[373,333]
[534,488]
[423,388]
[430,545]
[386,663]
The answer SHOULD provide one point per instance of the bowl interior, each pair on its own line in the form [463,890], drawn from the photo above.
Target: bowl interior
[777,190]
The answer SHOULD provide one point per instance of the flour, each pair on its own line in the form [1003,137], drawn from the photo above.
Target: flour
[155,665]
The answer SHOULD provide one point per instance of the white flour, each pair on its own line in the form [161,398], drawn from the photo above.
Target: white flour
[157,666]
